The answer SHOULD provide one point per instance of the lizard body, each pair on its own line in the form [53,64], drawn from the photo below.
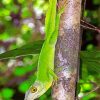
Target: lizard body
[45,70]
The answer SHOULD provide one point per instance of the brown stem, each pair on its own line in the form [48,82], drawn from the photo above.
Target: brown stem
[67,49]
[87,25]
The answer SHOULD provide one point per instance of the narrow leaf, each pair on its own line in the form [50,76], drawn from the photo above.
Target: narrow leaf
[91,59]
[93,67]
[28,49]
[90,54]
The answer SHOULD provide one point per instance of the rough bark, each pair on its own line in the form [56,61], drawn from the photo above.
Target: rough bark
[67,51]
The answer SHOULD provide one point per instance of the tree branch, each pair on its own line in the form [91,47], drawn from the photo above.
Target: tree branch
[67,49]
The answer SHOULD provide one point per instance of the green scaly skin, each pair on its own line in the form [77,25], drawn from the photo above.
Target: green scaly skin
[45,71]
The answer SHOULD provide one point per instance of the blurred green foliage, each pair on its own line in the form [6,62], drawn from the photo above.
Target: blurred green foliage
[22,22]
[7,93]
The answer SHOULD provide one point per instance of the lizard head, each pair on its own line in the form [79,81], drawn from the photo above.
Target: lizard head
[35,91]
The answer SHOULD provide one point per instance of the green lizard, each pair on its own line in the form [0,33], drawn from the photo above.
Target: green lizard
[45,71]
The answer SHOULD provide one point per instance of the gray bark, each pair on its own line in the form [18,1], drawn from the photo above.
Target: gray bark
[67,51]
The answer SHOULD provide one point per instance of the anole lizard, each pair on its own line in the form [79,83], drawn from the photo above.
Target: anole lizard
[45,71]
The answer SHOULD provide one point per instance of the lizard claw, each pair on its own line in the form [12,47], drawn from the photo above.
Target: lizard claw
[55,81]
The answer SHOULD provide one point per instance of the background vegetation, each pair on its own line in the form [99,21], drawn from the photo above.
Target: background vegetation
[22,22]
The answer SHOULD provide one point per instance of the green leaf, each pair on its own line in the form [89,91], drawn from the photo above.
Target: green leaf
[43,97]
[4,36]
[96,2]
[92,60]
[93,67]
[19,71]
[78,88]
[25,12]
[30,68]
[90,54]
[7,93]
[23,87]
[90,47]
[28,49]
[86,87]
[91,96]
[6,2]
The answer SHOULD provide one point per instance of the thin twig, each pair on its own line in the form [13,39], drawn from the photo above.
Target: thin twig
[89,28]
[87,25]
[86,94]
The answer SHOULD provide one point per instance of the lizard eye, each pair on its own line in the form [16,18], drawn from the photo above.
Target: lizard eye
[33,89]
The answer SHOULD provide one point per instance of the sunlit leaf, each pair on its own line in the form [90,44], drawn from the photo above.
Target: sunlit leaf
[6,1]
[23,87]
[20,1]
[26,13]
[7,93]
[4,36]
[19,71]
[90,47]
[86,87]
